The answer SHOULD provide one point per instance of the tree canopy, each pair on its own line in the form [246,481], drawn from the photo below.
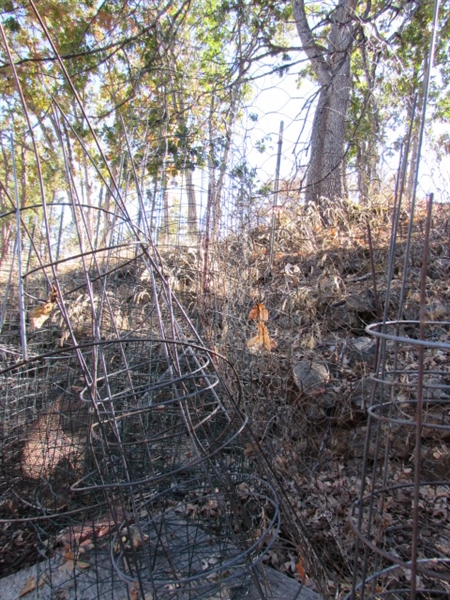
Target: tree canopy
[162,85]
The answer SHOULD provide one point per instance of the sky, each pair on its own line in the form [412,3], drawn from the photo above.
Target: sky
[277,99]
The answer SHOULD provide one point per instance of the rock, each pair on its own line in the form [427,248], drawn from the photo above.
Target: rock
[362,349]
[341,317]
[60,577]
[359,303]
[310,376]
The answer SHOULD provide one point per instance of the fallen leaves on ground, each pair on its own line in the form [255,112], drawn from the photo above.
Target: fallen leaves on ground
[32,583]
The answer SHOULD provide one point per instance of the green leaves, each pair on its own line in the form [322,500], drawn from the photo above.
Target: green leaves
[12,24]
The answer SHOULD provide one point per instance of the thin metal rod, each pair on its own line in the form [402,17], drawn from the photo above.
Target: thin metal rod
[23,330]
[7,288]
[61,224]
[426,87]
[419,408]
[34,142]
[275,194]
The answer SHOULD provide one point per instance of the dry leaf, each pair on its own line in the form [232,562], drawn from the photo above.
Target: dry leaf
[83,535]
[68,565]
[263,313]
[300,570]
[42,310]
[265,335]
[134,536]
[253,315]
[28,587]
[254,342]
[68,554]
[259,313]
[134,594]
[31,585]
[39,314]
[71,564]
[54,294]
[249,449]
[262,340]
[309,342]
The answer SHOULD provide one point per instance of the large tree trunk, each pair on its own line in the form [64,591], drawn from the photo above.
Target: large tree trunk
[324,178]
[332,68]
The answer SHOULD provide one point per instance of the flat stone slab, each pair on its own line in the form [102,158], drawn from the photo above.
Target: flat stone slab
[175,560]
[310,375]
[54,580]
[281,587]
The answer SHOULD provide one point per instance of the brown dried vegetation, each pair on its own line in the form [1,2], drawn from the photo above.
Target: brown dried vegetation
[319,295]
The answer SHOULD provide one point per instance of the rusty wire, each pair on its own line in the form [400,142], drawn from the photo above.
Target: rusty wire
[125,450]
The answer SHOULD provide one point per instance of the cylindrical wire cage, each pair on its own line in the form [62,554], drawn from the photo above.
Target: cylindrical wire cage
[401,517]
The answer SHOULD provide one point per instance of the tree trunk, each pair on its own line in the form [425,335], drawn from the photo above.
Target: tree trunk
[218,160]
[324,177]
[367,149]
[331,65]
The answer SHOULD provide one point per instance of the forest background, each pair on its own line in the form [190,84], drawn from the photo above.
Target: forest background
[176,97]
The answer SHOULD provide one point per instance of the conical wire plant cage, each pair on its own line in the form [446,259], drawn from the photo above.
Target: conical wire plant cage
[127,455]
[124,462]
[408,424]
[400,519]
[127,467]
